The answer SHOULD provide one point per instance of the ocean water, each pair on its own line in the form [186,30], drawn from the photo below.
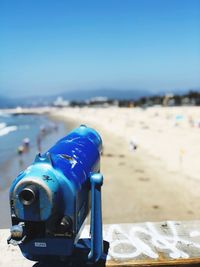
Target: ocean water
[13,130]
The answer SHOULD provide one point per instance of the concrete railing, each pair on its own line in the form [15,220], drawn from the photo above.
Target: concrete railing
[142,244]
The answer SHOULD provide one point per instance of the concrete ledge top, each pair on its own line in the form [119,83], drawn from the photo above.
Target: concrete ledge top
[141,244]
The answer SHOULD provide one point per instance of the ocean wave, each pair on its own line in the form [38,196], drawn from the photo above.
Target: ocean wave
[4,114]
[2,125]
[7,130]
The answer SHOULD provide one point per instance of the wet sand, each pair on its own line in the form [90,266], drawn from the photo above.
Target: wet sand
[152,183]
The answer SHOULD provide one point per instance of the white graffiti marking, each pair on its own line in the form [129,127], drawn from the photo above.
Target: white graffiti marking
[147,241]
[195,233]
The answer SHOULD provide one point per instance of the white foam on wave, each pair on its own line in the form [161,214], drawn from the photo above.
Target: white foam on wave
[3,114]
[2,125]
[7,130]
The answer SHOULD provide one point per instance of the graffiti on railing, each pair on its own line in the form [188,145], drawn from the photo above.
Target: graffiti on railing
[148,240]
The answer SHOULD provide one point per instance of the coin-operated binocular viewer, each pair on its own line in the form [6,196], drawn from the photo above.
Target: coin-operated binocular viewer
[51,199]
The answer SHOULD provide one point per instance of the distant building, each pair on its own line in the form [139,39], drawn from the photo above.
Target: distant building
[98,99]
[168,100]
[101,101]
[60,102]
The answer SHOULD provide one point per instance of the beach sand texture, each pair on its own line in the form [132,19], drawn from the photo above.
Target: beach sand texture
[160,179]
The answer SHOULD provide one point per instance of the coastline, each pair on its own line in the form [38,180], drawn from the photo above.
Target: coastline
[11,167]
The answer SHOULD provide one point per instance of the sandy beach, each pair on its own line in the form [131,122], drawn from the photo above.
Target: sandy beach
[160,179]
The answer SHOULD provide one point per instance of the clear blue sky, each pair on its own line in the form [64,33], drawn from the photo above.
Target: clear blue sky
[58,45]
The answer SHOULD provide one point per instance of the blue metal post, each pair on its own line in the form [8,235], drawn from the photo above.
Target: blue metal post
[96,181]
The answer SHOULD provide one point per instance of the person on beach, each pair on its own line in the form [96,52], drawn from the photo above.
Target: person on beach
[20,151]
[43,130]
[38,141]
[26,144]
[42,133]
[133,145]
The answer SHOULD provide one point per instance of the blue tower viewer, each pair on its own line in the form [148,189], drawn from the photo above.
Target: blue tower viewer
[51,199]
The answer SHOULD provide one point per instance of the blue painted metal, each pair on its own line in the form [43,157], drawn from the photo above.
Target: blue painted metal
[96,180]
[50,200]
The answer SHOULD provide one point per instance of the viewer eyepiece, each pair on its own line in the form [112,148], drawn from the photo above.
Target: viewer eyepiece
[28,195]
